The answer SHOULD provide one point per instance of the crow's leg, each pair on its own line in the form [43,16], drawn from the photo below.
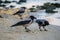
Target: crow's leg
[40,28]
[20,16]
[27,30]
[44,28]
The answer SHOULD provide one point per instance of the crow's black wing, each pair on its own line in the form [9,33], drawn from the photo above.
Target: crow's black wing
[21,23]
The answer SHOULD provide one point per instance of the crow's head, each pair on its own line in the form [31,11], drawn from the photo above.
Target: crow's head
[32,17]
[23,7]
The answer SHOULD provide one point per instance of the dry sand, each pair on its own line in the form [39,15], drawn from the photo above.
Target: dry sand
[18,33]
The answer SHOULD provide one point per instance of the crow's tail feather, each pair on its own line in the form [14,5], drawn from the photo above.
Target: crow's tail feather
[17,24]
[1,16]
[14,25]
[14,14]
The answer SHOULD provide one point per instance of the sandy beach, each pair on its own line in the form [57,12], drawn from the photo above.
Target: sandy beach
[18,32]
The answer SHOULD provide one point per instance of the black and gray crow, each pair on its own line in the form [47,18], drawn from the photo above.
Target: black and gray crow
[20,12]
[42,23]
[25,23]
